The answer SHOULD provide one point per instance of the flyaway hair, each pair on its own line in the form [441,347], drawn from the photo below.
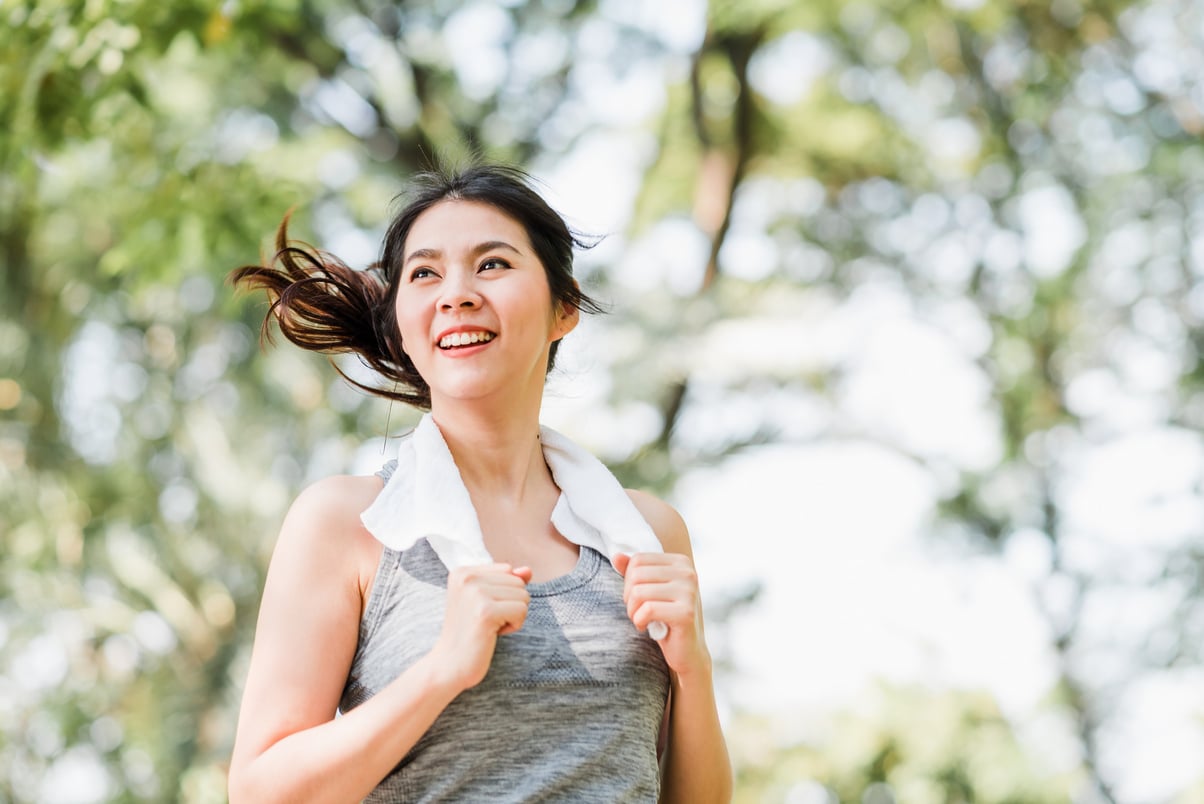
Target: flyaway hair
[323,305]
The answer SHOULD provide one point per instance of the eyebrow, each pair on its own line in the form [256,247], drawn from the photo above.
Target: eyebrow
[477,250]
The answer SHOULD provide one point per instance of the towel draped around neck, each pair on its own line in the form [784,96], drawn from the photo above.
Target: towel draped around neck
[426,499]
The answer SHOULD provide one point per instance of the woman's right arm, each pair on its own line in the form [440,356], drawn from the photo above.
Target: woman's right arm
[289,746]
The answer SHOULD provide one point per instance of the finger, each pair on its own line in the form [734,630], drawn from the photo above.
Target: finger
[659,573]
[498,580]
[664,612]
[521,572]
[659,558]
[505,594]
[512,615]
[668,592]
[478,600]
[643,567]
[654,562]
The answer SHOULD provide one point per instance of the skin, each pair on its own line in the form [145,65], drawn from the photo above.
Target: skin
[486,402]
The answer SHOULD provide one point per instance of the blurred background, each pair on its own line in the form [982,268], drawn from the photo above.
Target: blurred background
[907,321]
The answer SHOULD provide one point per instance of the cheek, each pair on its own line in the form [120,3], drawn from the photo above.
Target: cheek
[538,320]
[409,325]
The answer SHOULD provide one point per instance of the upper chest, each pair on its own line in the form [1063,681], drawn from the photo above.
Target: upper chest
[525,537]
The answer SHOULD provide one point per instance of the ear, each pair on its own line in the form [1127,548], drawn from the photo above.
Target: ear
[567,316]
[566,322]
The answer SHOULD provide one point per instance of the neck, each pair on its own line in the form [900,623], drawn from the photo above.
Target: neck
[496,450]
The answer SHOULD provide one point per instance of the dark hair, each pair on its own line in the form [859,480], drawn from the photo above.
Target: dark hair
[323,305]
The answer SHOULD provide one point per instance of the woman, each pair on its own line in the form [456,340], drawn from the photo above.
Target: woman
[459,611]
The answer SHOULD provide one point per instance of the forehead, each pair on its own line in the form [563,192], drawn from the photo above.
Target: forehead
[453,223]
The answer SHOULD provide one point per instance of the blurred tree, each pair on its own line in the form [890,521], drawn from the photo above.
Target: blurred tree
[1025,178]
[921,747]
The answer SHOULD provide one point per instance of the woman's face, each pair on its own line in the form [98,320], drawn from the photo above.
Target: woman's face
[473,305]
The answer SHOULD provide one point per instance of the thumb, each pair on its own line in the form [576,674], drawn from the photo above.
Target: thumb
[621,560]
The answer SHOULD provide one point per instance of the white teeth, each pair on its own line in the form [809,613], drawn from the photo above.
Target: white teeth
[464,339]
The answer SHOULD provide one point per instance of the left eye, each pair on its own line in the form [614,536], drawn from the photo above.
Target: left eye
[488,264]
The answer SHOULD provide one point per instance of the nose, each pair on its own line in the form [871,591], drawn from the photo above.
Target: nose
[459,292]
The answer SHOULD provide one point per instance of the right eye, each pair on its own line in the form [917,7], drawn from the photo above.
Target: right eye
[421,273]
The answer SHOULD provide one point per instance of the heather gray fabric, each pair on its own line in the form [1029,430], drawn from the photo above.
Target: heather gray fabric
[571,706]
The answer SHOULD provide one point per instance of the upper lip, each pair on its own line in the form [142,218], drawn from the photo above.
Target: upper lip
[461,328]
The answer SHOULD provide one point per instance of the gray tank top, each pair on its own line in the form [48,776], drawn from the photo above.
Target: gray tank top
[570,709]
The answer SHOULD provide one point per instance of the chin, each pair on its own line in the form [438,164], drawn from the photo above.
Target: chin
[467,390]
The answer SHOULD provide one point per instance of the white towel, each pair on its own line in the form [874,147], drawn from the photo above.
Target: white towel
[426,498]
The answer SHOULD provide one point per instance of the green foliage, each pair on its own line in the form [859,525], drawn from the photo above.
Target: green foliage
[148,447]
[921,747]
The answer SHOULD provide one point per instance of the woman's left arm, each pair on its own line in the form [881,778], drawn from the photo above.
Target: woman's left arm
[664,587]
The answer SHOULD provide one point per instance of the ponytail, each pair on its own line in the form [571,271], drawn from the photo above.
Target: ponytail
[322,305]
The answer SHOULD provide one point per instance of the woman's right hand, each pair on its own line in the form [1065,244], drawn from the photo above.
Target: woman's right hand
[483,603]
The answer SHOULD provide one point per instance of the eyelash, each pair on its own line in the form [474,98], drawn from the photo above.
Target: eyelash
[420,273]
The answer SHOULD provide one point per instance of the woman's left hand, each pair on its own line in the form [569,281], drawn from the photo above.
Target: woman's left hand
[664,587]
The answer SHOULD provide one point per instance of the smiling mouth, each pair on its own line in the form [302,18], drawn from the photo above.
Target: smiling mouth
[459,339]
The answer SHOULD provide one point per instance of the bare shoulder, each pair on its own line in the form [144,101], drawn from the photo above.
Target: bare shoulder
[666,523]
[335,499]
[323,525]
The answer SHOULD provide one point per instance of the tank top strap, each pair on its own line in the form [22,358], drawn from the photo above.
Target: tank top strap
[386,471]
